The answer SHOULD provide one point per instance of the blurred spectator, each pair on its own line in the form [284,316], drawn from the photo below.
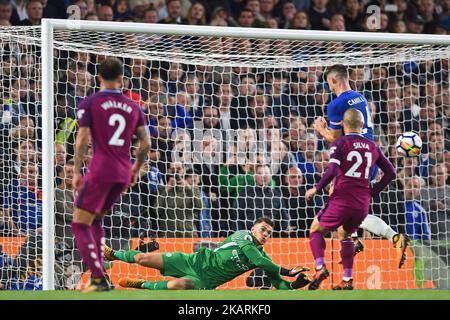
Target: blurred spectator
[416,24]
[34,13]
[121,10]
[288,13]
[196,14]
[430,17]
[92,16]
[399,26]
[173,13]
[25,130]
[354,15]
[60,155]
[247,18]
[262,200]
[436,201]
[408,170]
[20,7]
[300,21]
[83,8]
[151,15]
[208,166]
[8,13]
[105,13]
[301,212]
[384,23]
[257,112]
[266,9]
[178,206]
[319,15]
[64,196]
[281,159]
[417,222]
[409,116]
[255,7]
[163,143]
[22,202]
[306,164]
[337,22]
[223,99]
[435,154]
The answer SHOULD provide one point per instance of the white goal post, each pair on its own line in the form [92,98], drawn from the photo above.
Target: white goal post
[405,43]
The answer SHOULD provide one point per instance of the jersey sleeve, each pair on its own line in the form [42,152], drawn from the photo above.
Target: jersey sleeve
[84,113]
[336,152]
[334,115]
[261,261]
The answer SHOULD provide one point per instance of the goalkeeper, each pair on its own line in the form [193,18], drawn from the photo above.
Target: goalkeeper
[208,269]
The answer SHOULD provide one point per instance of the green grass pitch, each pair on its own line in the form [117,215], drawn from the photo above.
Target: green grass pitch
[231,295]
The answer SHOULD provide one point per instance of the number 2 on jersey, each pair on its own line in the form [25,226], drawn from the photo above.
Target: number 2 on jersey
[115,139]
[352,171]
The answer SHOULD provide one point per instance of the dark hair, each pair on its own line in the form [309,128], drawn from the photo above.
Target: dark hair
[246,10]
[264,219]
[110,69]
[339,70]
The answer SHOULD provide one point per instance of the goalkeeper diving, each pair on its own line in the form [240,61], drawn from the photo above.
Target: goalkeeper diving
[208,269]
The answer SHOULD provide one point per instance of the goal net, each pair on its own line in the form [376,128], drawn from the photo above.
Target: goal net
[230,119]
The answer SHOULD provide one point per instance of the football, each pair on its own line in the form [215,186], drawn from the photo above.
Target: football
[409,144]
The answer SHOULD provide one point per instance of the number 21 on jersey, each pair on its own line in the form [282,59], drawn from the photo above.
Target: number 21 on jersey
[352,172]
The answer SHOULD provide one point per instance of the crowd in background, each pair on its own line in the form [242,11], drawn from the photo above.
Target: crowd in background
[227,147]
[399,16]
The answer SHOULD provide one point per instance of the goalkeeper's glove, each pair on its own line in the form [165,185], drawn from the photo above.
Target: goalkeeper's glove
[301,281]
[293,272]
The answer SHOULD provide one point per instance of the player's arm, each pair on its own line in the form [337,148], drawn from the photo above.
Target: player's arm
[81,148]
[271,268]
[331,172]
[142,151]
[329,134]
[388,173]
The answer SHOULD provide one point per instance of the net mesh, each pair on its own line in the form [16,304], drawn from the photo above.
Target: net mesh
[217,108]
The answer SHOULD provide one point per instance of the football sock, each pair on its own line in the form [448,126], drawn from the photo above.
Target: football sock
[86,246]
[99,237]
[155,285]
[126,256]
[317,244]
[392,235]
[378,227]
[347,256]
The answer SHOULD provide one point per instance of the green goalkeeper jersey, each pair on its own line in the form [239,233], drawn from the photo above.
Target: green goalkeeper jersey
[235,256]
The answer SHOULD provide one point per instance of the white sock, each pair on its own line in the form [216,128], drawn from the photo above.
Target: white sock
[377,226]
[346,278]
[390,233]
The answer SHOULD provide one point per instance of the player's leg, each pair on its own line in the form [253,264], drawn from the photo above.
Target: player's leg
[347,257]
[377,226]
[175,264]
[88,206]
[175,284]
[318,245]
[85,242]
[149,260]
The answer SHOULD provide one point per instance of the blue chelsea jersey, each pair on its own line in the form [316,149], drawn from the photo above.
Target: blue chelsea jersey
[350,99]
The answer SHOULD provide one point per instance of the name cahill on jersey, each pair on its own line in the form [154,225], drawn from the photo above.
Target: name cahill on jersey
[352,102]
[116,104]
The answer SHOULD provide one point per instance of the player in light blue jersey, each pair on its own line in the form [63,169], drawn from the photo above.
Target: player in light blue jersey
[346,98]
